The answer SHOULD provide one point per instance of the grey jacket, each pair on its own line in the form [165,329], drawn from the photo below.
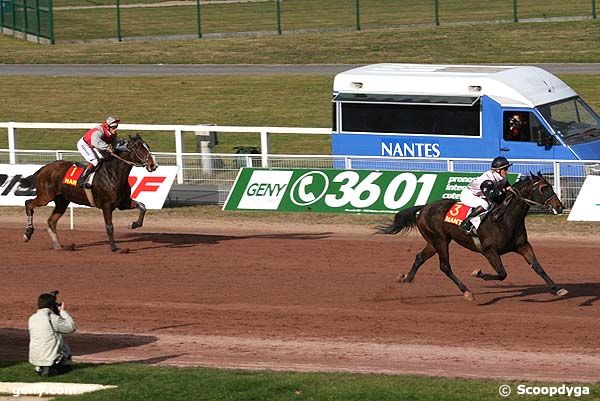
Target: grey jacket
[45,336]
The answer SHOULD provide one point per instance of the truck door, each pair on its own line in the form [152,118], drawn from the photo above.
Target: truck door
[521,131]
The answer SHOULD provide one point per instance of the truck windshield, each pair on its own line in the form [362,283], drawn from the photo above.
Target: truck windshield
[573,119]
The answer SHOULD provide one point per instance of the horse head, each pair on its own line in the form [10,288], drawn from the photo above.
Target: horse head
[536,190]
[140,153]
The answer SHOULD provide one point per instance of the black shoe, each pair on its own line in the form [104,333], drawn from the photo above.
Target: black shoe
[82,181]
[43,371]
[467,226]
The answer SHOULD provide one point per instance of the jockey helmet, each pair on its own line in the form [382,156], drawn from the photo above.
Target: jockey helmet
[500,163]
[112,122]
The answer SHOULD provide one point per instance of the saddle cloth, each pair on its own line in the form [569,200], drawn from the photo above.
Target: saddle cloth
[72,175]
[457,213]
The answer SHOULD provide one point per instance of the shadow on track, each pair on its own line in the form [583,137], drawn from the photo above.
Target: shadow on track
[576,291]
[588,292]
[15,343]
[180,240]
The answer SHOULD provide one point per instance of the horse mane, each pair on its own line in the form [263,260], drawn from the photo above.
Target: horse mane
[524,181]
[527,179]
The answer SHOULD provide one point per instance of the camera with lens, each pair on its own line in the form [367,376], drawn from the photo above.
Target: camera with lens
[56,304]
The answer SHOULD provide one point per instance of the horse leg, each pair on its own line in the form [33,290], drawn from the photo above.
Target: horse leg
[29,229]
[421,257]
[107,212]
[444,256]
[140,220]
[496,262]
[61,205]
[527,252]
[31,204]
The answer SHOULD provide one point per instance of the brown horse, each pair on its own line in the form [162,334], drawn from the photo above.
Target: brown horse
[503,231]
[110,189]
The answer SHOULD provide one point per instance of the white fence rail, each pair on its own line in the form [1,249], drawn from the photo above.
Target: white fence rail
[216,172]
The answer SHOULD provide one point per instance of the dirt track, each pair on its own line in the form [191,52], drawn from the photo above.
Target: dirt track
[304,298]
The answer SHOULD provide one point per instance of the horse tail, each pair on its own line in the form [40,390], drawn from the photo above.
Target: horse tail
[29,182]
[404,221]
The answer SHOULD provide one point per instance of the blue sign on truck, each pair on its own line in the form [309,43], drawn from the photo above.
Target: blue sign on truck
[461,111]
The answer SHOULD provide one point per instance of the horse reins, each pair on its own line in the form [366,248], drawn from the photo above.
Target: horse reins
[132,163]
[531,201]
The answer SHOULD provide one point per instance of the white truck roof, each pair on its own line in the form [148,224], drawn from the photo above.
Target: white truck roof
[513,86]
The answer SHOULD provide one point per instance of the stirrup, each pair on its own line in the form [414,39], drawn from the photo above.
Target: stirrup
[468,227]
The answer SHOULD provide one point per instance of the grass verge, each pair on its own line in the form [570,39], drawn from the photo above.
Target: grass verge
[293,101]
[509,43]
[142,382]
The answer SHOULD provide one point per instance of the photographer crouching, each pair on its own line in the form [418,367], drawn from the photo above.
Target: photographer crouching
[48,351]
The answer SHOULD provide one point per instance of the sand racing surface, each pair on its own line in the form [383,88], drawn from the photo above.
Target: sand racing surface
[305,298]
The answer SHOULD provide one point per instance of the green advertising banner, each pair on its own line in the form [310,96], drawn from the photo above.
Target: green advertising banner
[342,191]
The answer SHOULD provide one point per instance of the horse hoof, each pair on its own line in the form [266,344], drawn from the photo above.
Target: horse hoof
[69,247]
[28,234]
[123,250]
[402,278]
[468,295]
[132,226]
[562,292]
[476,273]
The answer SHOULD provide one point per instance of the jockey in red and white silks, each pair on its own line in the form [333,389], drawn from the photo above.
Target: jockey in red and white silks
[101,137]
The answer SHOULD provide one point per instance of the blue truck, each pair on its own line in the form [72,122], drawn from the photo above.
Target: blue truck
[461,111]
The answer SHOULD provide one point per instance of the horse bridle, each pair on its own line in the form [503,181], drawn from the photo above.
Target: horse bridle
[137,155]
[531,201]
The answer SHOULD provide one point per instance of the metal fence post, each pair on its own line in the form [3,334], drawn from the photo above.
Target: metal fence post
[179,154]
[119,21]
[12,143]
[437,12]
[265,149]
[14,18]
[515,14]
[358,15]
[51,23]
[198,19]
[557,186]
[278,16]
[37,20]
[594,9]
[25,19]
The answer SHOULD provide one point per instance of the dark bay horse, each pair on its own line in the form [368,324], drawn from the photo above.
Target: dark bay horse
[110,189]
[501,232]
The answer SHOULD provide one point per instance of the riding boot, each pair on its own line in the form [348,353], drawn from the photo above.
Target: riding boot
[86,173]
[467,224]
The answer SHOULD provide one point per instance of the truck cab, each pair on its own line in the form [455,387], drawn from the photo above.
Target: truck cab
[461,111]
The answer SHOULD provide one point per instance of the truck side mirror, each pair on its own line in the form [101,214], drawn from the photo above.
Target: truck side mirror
[545,139]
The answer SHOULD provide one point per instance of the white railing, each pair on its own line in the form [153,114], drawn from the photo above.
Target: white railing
[178,130]
[217,171]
